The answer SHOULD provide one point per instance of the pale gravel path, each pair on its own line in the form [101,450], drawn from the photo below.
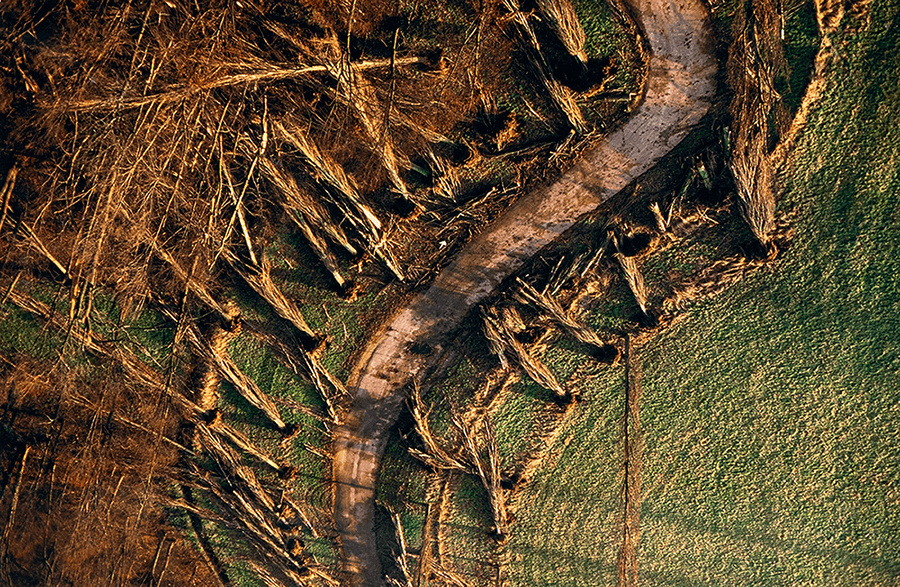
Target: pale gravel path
[679,89]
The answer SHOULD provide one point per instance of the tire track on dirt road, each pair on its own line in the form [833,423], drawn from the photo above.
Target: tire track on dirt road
[680,86]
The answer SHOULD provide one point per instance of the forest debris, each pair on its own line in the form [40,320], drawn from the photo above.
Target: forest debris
[6,191]
[140,373]
[426,551]
[245,500]
[500,326]
[238,439]
[207,376]
[310,217]
[489,473]
[550,307]
[449,577]
[662,223]
[307,365]
[190,284]
[752,174]
[400,557]
[337,187]
[115,416]
[229,462]
[302,205]
[38,244]
[355,91]
[268,74]
[241,382]
[261,282]
[14,504]
[755,59]
[242,513]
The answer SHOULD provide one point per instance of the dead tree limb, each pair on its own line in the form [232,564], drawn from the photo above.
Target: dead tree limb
[553,310]
[6,192]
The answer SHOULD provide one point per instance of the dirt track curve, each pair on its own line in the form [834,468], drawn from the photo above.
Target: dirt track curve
[679,89]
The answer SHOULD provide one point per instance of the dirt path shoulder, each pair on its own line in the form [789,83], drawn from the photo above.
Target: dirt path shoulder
[680,86]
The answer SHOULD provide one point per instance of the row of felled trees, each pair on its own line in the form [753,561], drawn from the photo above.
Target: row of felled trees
[166,131]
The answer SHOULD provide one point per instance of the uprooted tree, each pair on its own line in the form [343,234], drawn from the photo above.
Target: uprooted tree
[755,61]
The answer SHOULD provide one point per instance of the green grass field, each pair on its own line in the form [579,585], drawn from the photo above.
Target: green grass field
[770,415]
[566,528]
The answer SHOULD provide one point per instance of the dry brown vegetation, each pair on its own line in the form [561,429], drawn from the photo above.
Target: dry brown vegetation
[756,57]
[191,133]
[80,504]
[155,155]
[560,95]
[167,456]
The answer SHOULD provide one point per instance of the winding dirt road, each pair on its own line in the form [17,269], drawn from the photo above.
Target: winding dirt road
[679,89]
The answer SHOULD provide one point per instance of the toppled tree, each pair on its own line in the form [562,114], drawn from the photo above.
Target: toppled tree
[401,558]
[338,190]
[755,60]
[500,327]
[435,455]
[560,95]
[555,312]
[465,457]
[488,473]
[261,282]
[635,281]
[563,20]
[243,503]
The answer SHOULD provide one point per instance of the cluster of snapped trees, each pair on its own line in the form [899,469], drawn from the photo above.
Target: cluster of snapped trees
[153,153]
